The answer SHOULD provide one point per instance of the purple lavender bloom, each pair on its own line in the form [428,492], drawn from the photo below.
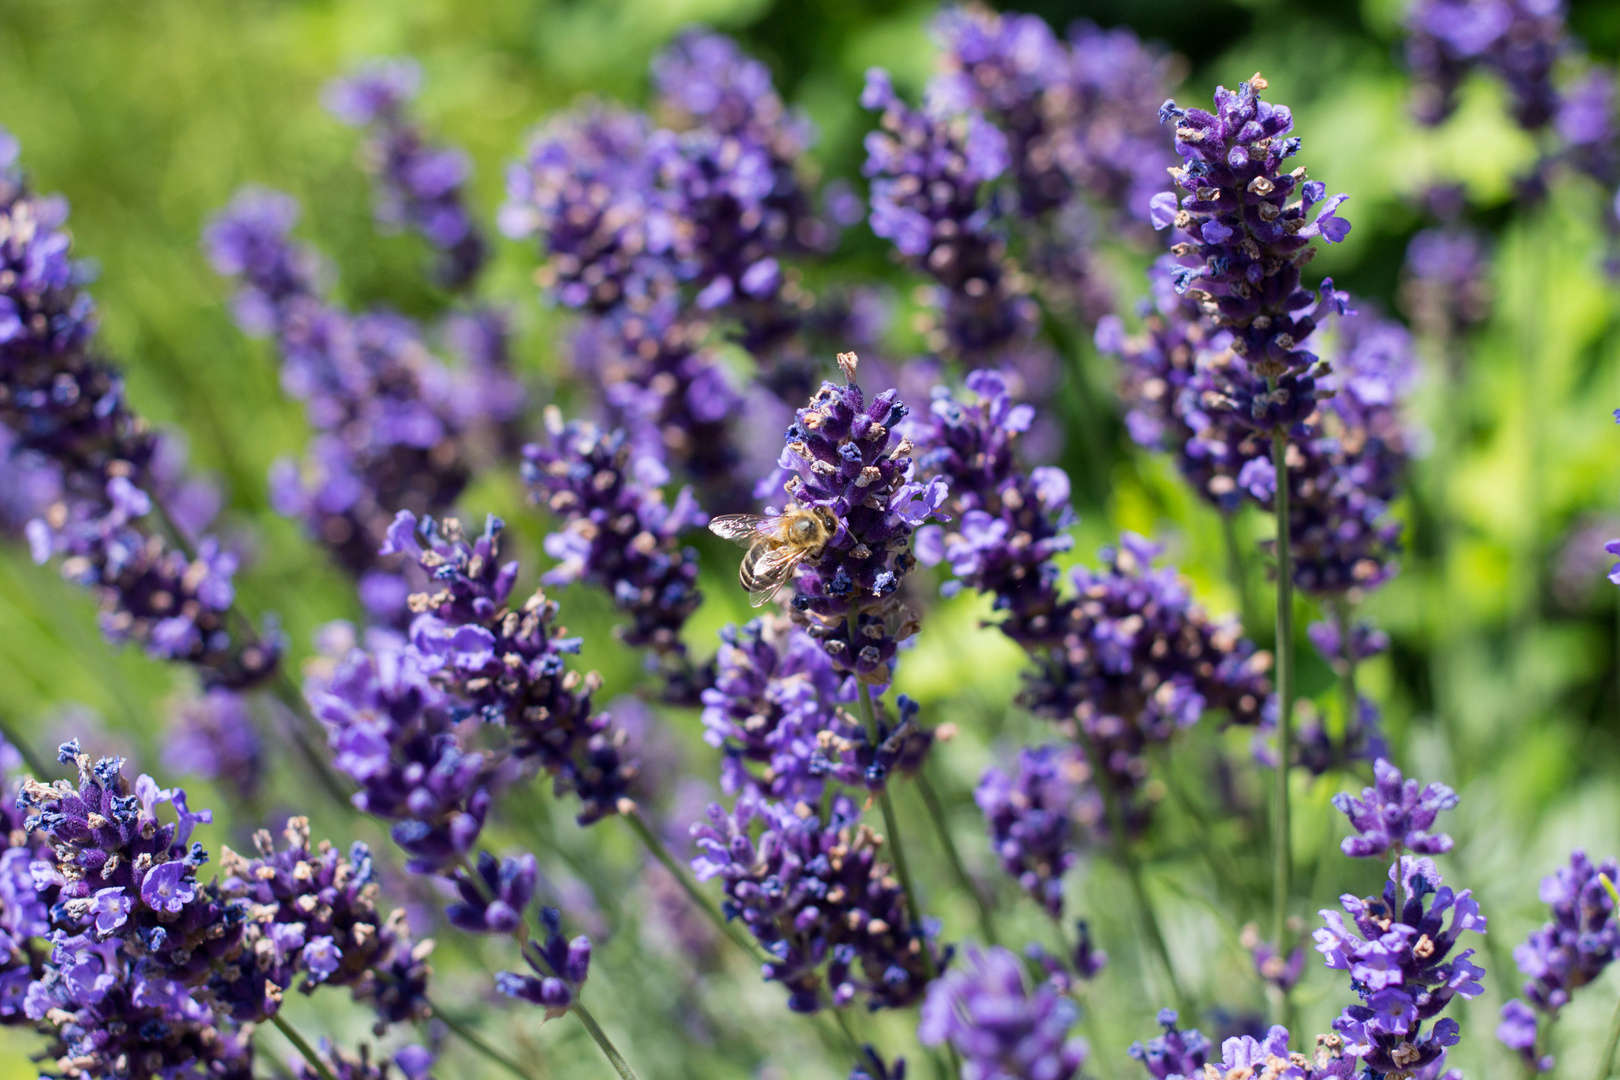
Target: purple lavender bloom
[390,729]
[388,432]
[1243,243]
[1013,69]
[618,534]
[849,464]
[313,911]
[66,420]
[1138,662]
[1032,818]
[707,81]
[1175,1055]
[1010,520]
[1078,116]
[1394,815]
[413,1062]
[1518,41]
[775,692]
[1446,287]
[497,907]
[1518,1031]
[560,968]
[814,894]
[1002,1029]
[1399,957]
[1569,951]
[1244,1056]
[872,1067]
[929,198]
[213,737]
[506,667]
[1270,964]
[419,186]
[587,190]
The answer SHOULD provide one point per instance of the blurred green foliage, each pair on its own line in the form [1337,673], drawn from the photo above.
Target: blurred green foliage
[149,115]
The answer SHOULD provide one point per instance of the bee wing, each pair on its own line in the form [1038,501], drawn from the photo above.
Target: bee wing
[766,569]
[739,528]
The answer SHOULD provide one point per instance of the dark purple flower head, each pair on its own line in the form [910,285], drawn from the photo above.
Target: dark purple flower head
[559,968]
[873,1067]
[774,696]
[1175,1054]
[850,465]
[1002,1029]
[1010,521]
[1138,662]
[313,912]
[1578,942]
[814,894]
[1077,115]
[506,666]
[1272,966]
[618,533]
[1394,815]
[1399,955]
[1519,41]
[1243,242]
[390,728]
[214,738]
[414,1062]
[122,873]
[1518,1031]
[498,905]
[930,177]
[1034,817]
[389,425]
[419,186]
[707,81]
[587,191]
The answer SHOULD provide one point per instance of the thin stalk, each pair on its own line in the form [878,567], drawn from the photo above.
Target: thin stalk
[1133,874]
[936,814]
[891,826]
[1612,1039]
[1237,568]
[616,1059]
[1282,855]
[289,695]
[301,1046]
[656,848]
[476,1041]
[1348,697]
[30,756]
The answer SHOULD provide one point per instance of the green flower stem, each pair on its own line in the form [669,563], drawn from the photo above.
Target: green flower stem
[301,1046]
[1133,874]
[1348,696]
[1282,855]
[936,814]
[656,848]
[476,1041]
[1610,1041]
[891,827]
[616,1059]
[1237,569]
[30,756]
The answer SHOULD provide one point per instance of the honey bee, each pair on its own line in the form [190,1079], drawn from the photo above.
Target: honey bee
[775,545]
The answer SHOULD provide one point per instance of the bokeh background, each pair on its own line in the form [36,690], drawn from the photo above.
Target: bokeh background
[1502,680]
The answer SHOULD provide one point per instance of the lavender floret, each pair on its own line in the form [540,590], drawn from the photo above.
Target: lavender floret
[419,186]
[1395,815]
[1001,1027]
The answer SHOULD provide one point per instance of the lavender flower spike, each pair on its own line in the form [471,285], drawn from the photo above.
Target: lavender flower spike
[1573,948]
[1399,955]
[418,185]
[848,463]
[1002,1029]
[1394,815]
[559,967]
[1033,815]
[1243,243]
[1175,1054]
